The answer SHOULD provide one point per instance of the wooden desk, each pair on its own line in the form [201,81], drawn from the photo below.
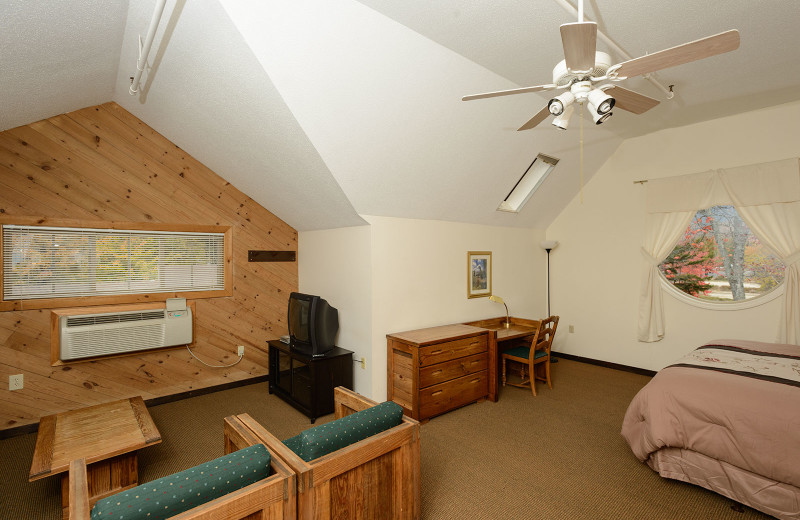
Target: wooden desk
[502,339]
[106,435]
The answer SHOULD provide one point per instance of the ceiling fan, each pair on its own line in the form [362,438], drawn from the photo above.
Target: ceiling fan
[588,76]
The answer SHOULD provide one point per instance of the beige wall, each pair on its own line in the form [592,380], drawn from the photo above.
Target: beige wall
[336,265]
[399,274]
[419,277]
[596,268]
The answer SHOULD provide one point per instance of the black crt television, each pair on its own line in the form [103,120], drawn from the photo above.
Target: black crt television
[313,324]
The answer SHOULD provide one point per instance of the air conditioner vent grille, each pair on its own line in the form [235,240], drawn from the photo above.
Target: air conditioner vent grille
[82,321]
[92,343]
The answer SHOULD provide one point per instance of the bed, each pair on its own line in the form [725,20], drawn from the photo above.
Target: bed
[725,417]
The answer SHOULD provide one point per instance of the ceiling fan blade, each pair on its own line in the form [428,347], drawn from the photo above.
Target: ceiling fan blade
[535,120]
[580,43]
[522,90]
[630,100]
[688,52]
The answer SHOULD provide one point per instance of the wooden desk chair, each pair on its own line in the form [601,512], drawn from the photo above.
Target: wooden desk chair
[540,344]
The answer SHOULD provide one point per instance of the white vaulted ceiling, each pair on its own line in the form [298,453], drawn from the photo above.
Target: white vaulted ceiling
[324,110]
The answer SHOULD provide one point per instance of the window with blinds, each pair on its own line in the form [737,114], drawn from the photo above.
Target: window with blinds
[62,262]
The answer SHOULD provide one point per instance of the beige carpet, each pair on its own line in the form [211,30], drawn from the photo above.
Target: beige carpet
[555,456]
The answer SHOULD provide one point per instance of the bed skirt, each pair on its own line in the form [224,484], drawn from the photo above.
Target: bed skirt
[774,498]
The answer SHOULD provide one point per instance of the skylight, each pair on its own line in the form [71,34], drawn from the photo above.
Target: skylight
[530,181]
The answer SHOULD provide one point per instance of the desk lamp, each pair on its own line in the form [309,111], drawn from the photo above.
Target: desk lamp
[498,299]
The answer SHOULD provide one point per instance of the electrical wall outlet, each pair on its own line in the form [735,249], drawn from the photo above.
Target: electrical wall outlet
[571,329]
[241,350]
[363,363]
[15,382]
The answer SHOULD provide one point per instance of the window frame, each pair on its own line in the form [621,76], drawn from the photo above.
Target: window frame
[720,305]
[82,301]
[717,305]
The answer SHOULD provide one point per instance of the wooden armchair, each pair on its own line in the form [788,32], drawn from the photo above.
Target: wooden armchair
[537,352]
[271,498]
[375,478]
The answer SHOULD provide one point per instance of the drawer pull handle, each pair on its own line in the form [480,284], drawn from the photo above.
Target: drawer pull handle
[475,380]
[436,352]
[437,392]
[436,372]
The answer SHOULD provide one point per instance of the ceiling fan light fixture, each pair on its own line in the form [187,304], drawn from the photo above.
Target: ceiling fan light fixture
[558,104]
[562,120]
[600,118]
[600,102]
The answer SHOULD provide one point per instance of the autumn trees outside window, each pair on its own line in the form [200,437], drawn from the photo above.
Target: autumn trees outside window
[720,260]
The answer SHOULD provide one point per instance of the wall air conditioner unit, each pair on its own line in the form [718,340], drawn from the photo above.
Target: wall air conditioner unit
[90,335]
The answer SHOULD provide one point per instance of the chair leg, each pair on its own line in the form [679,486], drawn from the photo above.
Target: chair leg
[532,370]
[547,374]
[504,371]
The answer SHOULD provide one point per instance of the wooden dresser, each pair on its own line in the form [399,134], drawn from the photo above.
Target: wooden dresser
[432,371]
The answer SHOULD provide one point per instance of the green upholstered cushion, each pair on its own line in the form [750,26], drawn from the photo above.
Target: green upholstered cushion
[327,438]
[524,352]
[187,489]
[294,443]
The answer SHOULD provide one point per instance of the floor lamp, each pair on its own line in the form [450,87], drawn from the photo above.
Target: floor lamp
[549,245]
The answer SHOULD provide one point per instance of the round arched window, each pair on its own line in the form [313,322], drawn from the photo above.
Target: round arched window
[719,259]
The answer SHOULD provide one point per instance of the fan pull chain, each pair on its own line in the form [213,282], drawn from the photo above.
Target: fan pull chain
[581,153]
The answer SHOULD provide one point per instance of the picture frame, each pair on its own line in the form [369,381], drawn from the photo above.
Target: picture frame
[479,274]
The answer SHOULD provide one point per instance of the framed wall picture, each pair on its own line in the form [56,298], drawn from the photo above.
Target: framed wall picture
[479,274]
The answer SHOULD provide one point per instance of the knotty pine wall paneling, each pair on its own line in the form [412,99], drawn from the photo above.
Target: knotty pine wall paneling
[103,164]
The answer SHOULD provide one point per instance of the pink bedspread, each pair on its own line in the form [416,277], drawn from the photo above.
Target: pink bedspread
[737,416]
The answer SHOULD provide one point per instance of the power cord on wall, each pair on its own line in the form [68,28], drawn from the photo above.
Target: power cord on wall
[213,366]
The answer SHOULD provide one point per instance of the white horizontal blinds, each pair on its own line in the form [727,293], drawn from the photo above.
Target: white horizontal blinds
[49,262]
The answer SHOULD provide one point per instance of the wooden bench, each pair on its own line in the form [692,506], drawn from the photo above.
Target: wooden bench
[375,478]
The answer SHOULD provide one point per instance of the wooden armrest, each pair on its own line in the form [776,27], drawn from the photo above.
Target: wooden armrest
[346,401]
[236,435]
[273,444]
[78,490]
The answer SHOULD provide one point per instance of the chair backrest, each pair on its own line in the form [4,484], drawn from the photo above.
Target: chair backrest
[547,330]
[327,438]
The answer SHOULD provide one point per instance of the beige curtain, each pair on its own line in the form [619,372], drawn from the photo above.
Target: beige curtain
[662,232]
[671,204]
[767,196]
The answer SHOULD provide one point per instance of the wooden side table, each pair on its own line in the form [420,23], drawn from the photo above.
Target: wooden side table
[106,435]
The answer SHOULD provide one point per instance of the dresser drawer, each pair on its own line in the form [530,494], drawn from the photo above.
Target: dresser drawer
[443,397]
[448,350]
[439,373]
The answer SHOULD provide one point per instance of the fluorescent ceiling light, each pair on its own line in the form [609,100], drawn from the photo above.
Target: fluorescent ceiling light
[530,181]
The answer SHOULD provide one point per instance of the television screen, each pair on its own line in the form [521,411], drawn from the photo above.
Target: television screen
[299,311]
[313,324]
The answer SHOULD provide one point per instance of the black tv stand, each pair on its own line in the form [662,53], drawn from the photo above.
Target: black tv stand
[307,382]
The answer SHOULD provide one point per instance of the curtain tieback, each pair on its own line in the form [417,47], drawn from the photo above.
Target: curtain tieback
[652,260]
[791,259]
